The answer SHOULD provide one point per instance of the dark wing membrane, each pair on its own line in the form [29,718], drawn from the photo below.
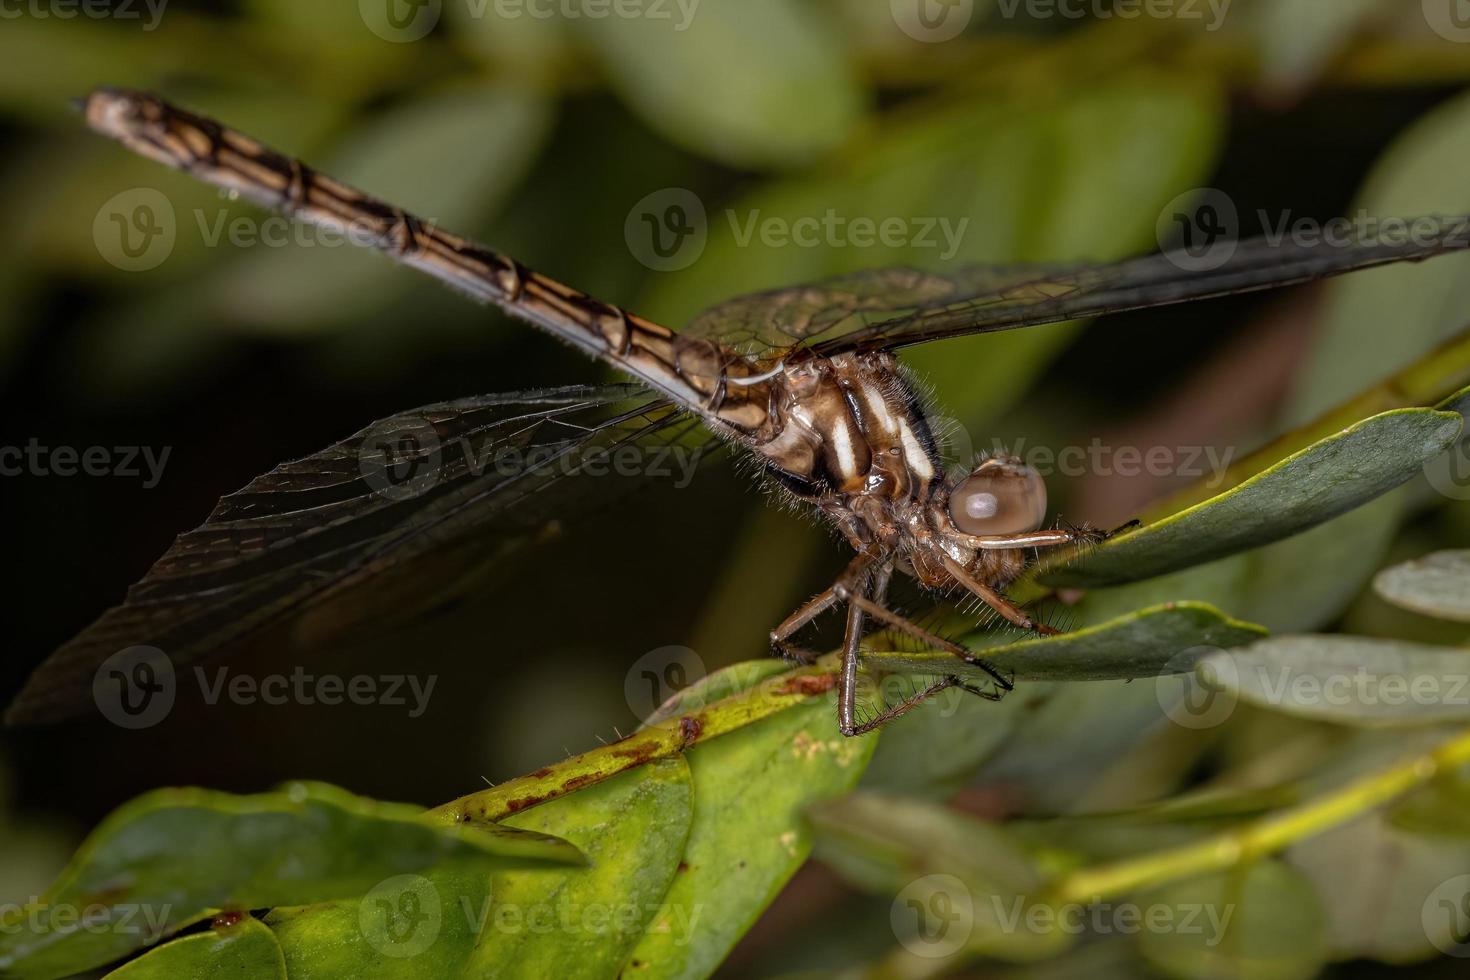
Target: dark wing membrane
[892,308]
[777,319]
[1176,276]
[369,530]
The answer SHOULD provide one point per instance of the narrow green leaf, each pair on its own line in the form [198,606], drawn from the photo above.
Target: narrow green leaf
[751,788]
[1348,680]
[1266,923]
[1437,585]
[1324,480]
[173,856]
[633,830]
[243,949]
[1168,638]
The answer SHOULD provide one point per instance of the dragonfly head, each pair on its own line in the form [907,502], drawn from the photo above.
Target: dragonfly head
[1002,495]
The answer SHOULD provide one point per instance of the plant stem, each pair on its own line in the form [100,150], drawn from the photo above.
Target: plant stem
[660,740]
[1263,836]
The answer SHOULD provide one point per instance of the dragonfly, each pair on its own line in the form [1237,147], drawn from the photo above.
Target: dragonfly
[804,381]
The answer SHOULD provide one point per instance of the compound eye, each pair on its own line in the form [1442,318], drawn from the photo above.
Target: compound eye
[999,497]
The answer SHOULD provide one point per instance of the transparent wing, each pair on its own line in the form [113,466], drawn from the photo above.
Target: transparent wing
[379,527]
[760,323]
[892,308]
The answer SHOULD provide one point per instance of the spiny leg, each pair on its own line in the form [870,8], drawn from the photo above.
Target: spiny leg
[1008,609]
[852,642]
[914,700]
[890,618]
[814,607]
[858,607]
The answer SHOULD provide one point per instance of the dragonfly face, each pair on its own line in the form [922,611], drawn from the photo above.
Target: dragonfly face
[804,378]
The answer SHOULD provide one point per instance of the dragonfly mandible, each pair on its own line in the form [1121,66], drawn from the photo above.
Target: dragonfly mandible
[805,380]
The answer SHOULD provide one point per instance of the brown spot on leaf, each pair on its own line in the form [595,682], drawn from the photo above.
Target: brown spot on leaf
[521,802]
[577,782]
[808,685]
[690,728]
[227,920]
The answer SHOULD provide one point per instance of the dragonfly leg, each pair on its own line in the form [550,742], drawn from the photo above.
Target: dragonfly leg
[914,700]
[1008,609]
[814,607]
[890,618]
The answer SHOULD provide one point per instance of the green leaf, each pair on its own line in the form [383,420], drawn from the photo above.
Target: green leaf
[1391,895]
[243,948]
[1299,38]
[552,922]
[1168,638]
[1381,320]
[1437,585]
[723,78]
[173,856]
[1324,480]
[1266,923]
[1348,680]
[751,788]
[633,829]
[970,878]
[970,729]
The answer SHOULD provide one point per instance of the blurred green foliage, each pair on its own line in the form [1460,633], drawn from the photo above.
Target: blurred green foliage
[1047,138]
